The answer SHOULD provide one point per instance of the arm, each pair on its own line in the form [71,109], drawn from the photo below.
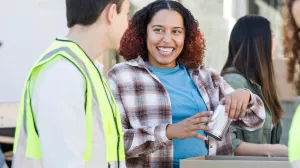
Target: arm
[138,141]
[58,102]
[235,82]
[255,113]
[252,149]
[242,148]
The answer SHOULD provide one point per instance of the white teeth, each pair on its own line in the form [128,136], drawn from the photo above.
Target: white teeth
[164,49]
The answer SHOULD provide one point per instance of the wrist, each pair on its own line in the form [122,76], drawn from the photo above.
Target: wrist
[249,93]
[169,131]
[267,150]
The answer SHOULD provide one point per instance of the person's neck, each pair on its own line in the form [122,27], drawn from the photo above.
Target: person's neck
[92,39]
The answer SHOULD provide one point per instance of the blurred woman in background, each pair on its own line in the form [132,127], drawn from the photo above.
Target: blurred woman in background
[249,65]
[291,46]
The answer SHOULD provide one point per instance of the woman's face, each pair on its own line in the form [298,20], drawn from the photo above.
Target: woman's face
[296,12]
[165,38]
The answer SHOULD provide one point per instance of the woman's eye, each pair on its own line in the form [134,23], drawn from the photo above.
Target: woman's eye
[177,31]
[158,30]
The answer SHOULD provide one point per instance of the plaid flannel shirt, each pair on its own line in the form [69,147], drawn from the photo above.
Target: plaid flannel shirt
[145,110]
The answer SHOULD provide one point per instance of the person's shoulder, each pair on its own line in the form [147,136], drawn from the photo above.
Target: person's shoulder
[235,77]
[60,70]
[209,70]
[60,66]
[124,68]
[58,80]
[120,66]
[205,71]
[236,81]
[211,73]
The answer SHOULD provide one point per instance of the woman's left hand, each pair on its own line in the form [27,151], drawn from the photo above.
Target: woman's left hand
[236,103]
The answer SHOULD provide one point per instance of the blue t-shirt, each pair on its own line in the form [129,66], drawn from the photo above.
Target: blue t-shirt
[186,101]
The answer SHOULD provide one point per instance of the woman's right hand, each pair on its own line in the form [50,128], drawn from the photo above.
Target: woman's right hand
[188,127]
[278,150]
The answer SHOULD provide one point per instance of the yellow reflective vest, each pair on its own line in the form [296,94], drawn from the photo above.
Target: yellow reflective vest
[96,88]
[294,137]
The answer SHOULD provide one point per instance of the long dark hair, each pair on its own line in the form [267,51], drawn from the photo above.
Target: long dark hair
[133,43]
[250,53]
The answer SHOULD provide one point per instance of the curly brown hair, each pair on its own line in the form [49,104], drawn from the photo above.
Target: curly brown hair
[133,43]
[291,44]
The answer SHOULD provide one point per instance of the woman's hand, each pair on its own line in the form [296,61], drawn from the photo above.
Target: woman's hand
[278,150]
[236,103]
[188,127]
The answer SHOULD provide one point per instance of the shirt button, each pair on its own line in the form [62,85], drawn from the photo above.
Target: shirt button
[211,146]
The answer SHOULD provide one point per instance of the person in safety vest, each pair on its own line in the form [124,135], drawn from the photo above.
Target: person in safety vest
[291,46]
[68,117]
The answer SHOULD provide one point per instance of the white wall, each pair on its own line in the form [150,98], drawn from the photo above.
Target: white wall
[233,10]
[274,17]
[214,27]
[27,28]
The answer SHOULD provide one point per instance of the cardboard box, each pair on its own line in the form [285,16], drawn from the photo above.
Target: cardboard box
[235,162]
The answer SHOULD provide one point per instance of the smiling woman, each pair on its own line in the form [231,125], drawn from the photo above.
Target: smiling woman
[169,27]
[166,38]
[165,95]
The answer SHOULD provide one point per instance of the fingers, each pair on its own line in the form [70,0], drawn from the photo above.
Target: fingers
[196,135]
[244,110]
[202,114]
[202,120]
[200,127]
[236,104]
[238,110]
[227,104]
[201,137]
[233,108]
